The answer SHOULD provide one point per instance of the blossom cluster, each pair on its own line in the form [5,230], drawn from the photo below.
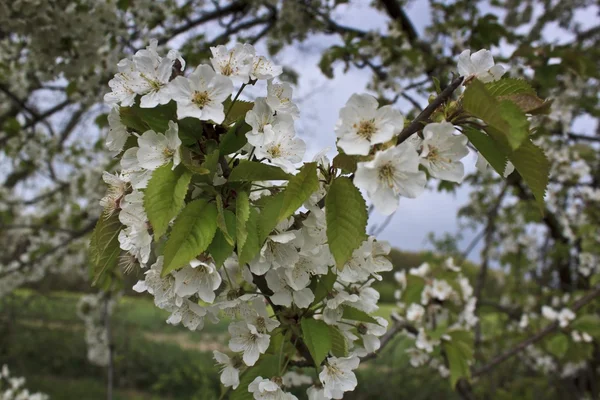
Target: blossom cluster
[95,310]
[435,300]
[13,388]
[294,273]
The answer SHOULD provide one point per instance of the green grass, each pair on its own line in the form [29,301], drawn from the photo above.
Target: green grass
[155,360]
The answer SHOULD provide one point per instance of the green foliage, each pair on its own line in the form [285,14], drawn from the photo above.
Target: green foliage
[558,345]
[355,314]
[533,165]
[242,213]
[298,190]
[269,215]
[324,286]
[589,323]
[252,244]
[317,337]
[488,148]
[220,248]
[339,344]
[192,233]
[248,171]
[346,214]
[104,246]
[459,352]
[414,287]
[142,119]
[237,111]
[506,123]
[235,138]
[221,223]
[165,195]
[345,162]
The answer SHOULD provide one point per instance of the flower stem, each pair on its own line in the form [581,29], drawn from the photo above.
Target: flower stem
[235,99]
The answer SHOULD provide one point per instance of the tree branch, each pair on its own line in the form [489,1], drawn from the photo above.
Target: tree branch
[423,117]
[584,300]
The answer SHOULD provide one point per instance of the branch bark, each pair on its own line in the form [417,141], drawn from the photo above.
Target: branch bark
[423,117]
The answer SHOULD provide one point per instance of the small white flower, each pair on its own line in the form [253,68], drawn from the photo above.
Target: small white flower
[245,338]
[117,132]
[392,173]
[284,150]
[279,98]
[479,65]
[418,358]
[160,287]
[549,313]
[442,150]
[152,76]
[189,314]
[201,95]
[565,316]
[371,333]
[123,84]
[362,124]
[230,373]
[441,290]
[316,393]
[262,68]
[337,376]
[422,270]
[198,277]
[283,294]
[278,250]
[465,287]
[236,63]
[157,149]
[415,313]
[266,389]
[524,321]
[424,342]
[262,116]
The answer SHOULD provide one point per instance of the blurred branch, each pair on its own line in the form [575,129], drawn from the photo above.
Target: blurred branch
[584,300]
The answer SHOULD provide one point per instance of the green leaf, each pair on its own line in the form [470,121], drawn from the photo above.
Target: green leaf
[506,123]
[346,214]
[509,86]
[190,130]
[220,248]
[589,323]
[211,160]
[235,138]
[242,212]
[339,345]
[558,345]
[299,188]
[317,338]
[165,196]
[192,233]
[143,119]
[239,110]
[488,149]
[267,367]
[252,244]
[192,162]
[458,355]
[247,171]
[221,220]
[532,164]
[355,314]
[324,286]
[414,287]
[345,162]
[269,215]
[104,246]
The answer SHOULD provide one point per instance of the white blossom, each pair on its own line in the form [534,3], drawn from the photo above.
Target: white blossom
[230,373]
[266,389]
[392,173]
[338,377]
[117,132]
[362,124]
[199,277]
[245,338]
[236,63]
[201,95]
[479,65]
[442,150]
[279,98]
[157,149]
[262,68]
